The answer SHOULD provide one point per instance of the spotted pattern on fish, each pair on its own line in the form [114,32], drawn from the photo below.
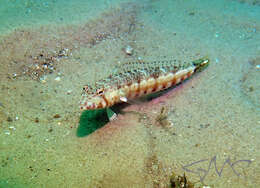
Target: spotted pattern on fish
[137,79]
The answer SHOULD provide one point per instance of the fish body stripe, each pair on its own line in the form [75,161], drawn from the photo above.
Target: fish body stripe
[146,86]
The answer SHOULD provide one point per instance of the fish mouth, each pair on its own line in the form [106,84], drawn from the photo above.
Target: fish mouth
[200,64]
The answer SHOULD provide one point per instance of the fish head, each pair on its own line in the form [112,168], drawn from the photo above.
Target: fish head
[92,99]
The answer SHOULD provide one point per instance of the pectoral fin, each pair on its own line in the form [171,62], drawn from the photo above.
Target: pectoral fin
[111,114]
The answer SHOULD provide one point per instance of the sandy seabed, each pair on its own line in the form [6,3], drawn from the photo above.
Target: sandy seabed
[208,127]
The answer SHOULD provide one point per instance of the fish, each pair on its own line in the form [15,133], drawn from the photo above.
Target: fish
[137,79]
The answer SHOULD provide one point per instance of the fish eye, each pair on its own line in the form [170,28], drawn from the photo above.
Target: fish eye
[100,91]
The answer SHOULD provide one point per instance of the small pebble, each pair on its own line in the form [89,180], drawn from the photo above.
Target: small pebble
[43,79]
[251,88]
[69,92]
[12,128]
[9,119]
[129,50]
[57,79]
[56,116]
[29,136]
[36,120]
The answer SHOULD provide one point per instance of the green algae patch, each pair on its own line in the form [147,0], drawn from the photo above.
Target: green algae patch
[91,120]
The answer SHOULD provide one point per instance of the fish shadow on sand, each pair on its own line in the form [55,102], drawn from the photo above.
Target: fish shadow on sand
[91,120]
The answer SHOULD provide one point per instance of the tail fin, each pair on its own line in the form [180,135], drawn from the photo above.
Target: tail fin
[201,63]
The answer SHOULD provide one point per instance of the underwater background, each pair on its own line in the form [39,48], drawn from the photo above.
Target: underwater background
[204,132]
